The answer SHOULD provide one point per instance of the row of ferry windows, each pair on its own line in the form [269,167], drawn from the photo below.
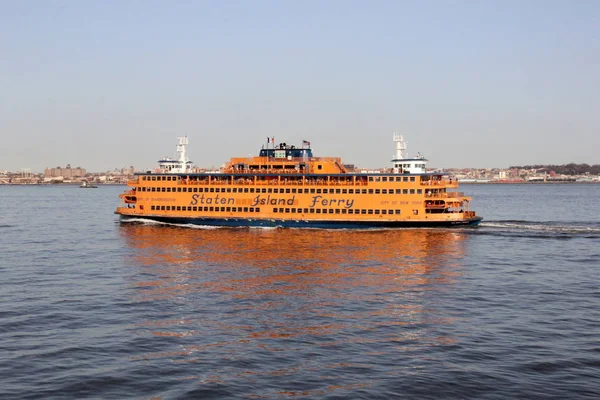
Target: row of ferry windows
[196,208]
[371,178]
[333,211]
[277,210]
[282,190]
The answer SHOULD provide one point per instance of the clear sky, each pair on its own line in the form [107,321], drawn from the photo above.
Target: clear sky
[105,84]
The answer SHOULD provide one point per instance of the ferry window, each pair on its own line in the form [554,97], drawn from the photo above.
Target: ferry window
[293,190]
[245,190]
[251,190]
[293,210]
[154,189]
[318,190]
[370,179]
[363,211]
[306,211]
[337,210]
[397,211]
[205,208]
[398,179]
[152,207]
[245,209]
[344,191]
[184,190]
[412,178]
[370,191]
[143,178]
[377,179]
[257,209]
[195,190]
[270,190]
[404,191]
[264,190]
[344,211]
[364,191]
[189,208]
[419,191]
[163,189]
[318,211]
[312,190]
[412,191]
[384,179]
[228,209]
[162,208]
[275,210]
[228,190]
[287,190]
[350,191]
[330,211]
[319,166]
[370,211]
[377,212]
[312,210]
[398,191]
[281,210]
[287,210]
[211,208]
[178,208]
[338,191]
[325,191]
[383,191]
[194,208]
[350,211]
[377,191]
[384,212]
[405,178]
[153,178]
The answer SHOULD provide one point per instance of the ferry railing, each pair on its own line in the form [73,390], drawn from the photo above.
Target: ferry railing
[444,182]
[446,195]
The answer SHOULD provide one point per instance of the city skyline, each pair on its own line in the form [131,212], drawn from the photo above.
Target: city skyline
[470,85]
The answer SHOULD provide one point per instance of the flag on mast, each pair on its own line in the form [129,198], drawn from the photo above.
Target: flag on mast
[305,143]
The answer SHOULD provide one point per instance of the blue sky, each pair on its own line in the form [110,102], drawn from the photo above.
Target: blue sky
[470,83]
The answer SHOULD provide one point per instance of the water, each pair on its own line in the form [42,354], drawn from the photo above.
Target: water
[92,308]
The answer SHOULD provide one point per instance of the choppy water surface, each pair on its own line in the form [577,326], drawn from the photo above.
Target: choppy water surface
[92,308]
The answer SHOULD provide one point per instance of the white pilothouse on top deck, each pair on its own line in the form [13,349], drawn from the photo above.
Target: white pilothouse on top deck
[402,164]
[183,165]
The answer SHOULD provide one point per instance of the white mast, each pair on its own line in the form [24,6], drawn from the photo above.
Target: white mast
[183,141]
[400,146]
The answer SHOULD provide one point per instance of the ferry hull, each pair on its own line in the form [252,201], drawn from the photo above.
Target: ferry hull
[245,222]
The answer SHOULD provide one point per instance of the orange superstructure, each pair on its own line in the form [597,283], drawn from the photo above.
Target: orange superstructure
[288,186]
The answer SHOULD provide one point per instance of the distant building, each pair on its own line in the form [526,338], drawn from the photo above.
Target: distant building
[128,170]
[67,172]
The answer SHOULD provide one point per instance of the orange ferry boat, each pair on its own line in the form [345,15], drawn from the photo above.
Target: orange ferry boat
[287,186]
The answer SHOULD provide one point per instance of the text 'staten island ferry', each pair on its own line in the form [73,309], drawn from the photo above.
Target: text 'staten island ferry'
[287,186]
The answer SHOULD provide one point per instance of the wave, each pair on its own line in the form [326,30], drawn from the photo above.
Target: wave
[542,229]
[144,221]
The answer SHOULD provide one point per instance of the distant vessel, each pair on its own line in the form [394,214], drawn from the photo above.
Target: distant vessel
[87,185]
[287,186]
